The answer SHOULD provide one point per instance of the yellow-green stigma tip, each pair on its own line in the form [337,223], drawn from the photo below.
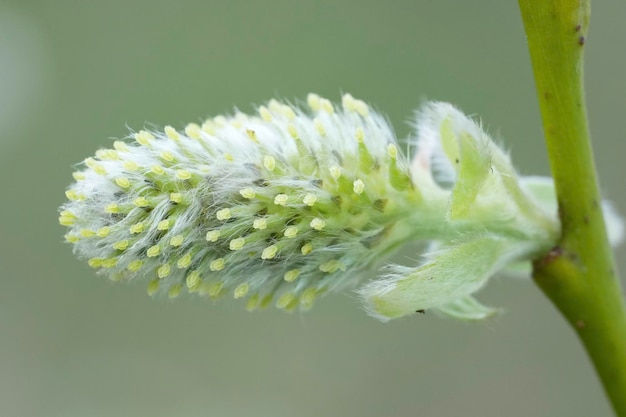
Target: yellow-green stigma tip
[153,287]
[164,271]
[317,224]
[252,302]
[223,214]
[291,275]
[103,231]
[247,193]
[122,182]
[193,280]
[184,262]
[164,224]
[358,186]
[135,265]
[217,264]
[136,228]
[241,290]
[177,240]
[174,291]
[183,174]
[212,235]
[269,162]
[237,243]
[281,199]
[306,248]
[285,300]
[269,252]
[153,251]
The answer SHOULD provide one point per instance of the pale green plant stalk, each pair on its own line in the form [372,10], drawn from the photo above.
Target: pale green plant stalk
[579,275]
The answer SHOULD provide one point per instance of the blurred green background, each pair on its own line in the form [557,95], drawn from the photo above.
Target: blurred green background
[74,74]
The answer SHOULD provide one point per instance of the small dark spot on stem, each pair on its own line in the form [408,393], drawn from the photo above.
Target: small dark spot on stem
[581,324]
[547,95]
[421,311]
[578,28]
[550,257]
[586,219]
[581,40]
[456,160]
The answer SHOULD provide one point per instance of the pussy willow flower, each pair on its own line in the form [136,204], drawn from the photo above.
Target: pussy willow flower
[293,202]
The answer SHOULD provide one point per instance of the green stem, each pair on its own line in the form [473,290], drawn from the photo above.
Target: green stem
[578,275]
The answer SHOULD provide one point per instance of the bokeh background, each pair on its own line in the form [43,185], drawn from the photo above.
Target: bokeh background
[75,74]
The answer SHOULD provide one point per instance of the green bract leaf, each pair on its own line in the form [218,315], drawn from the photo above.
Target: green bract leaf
[454,271]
